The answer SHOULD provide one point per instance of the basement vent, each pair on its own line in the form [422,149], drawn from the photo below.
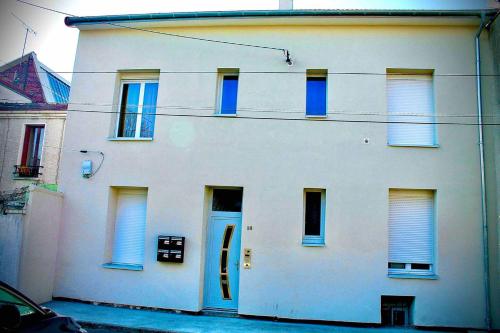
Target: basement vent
[397,310]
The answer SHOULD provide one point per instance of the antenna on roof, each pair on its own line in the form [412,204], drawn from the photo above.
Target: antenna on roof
[28,30]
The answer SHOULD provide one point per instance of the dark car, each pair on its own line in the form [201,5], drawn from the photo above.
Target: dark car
[20,314]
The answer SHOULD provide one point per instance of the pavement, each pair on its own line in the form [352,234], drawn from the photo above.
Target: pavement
[104,318]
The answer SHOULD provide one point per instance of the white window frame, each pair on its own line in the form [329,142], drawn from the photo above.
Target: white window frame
[414,75]
[21,143]
[322,74]
[139,107]
[313,240]
[220,91]
[407,271]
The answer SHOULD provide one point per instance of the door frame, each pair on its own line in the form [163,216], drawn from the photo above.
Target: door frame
[207,239]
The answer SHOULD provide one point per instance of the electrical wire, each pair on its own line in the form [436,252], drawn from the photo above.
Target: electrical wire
[288,110]
[163,33]
[329,73]
[285,51]
[288,119]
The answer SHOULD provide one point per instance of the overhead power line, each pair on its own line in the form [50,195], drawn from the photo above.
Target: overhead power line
[278,72]
[285,51]
[284,119]
[285,110]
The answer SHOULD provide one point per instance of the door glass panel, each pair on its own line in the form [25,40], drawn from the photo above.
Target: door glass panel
[224,278]
[225,200]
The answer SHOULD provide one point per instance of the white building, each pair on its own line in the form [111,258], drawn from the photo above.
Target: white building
[345,187]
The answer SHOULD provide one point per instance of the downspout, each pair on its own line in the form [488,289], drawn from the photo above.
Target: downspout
[481,163]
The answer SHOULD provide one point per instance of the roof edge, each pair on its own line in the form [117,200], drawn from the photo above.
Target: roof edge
[72,21]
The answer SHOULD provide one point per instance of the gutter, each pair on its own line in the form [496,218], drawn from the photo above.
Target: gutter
[486,270]
[72,21]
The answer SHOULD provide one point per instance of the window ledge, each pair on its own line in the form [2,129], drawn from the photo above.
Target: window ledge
[319,116]
[230,115]
[25,178]
[130,267]
[313,242]
[129,139]
[412,145]
[413,276]
[306,244]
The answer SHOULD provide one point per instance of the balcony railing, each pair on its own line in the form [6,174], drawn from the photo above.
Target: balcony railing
[27,171]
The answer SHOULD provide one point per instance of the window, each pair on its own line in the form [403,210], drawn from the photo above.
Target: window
[314,217]
[397,310]
[227,200]
[137,109]
[410,102]
[411,232]
[31,154]
[228,93]
[316,93]
[130,227]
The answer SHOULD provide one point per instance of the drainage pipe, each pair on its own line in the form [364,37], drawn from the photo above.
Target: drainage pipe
[481,163]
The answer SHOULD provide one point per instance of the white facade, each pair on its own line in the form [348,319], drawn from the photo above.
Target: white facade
[274,160]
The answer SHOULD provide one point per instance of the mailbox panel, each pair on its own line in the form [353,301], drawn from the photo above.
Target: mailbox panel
[170,249]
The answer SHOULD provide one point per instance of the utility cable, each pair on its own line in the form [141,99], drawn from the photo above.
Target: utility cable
[285,110]
[285,119]
[285,51]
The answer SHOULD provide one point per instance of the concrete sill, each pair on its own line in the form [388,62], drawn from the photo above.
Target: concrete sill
[412,146]
[26,178]
[230,115]
[130,139]
[129,267]
[313,242]
[413,276]
[316,117]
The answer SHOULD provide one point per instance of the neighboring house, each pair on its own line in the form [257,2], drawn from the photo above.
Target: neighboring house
[33,104]
[343,188]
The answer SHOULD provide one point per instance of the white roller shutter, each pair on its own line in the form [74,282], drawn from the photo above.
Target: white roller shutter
[130,227]
[410,99]
[411,226]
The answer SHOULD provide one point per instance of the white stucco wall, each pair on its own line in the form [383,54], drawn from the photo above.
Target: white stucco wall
[37,263]
[11,235]
[274,160]
[12,129]
[28,244]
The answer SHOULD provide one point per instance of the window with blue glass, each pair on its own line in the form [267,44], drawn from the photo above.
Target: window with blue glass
[229,94]
[316,96]
[137,109]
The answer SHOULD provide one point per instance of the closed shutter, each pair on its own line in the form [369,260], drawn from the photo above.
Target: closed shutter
[410,100]
[411,225]
[130,227]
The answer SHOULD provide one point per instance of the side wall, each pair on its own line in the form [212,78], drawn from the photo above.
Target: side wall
[39,246]
[12,124]
[490,47]
[11,236]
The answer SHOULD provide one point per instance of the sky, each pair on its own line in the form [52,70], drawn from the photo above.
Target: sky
[55,44]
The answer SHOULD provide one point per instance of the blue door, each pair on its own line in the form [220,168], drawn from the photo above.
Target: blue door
[222,261]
